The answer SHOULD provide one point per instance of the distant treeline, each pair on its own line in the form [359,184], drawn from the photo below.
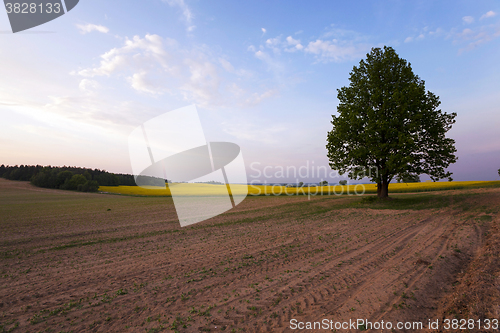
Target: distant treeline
[66,178]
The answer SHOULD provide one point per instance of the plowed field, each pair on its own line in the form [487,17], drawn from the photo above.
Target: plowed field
[108,263]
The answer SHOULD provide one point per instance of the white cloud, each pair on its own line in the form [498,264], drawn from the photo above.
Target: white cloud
[292,41]
[348,45]
[142,83]
[235,90]
[203,83]
[295,43]
[273,64]
[97,109]
[258,98]
[343,35]
[135,52]
[468,19]
[264,57]
[475,37]
[88,85]
[155,65]
[488,15]
[255,132]
[273,41]
[472,37]
[263,31]
[226,65]
[153,70]
[86,28]
[275,44]
[437,32]
[421,36]
[466,32]
[334,50]
[261,55]
[187,14]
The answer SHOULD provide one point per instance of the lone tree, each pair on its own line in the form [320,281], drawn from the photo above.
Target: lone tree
[388,125]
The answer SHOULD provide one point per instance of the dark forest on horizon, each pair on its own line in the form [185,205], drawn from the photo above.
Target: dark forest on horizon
[66,177]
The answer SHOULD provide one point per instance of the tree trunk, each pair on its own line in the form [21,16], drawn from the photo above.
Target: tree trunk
[383,189]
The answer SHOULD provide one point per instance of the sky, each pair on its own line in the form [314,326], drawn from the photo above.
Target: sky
[262,74]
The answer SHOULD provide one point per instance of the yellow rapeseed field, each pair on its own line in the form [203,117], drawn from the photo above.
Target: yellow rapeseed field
[190,189]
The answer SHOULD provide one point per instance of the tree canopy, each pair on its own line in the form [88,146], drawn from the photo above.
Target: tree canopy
[408,178]
[388,125]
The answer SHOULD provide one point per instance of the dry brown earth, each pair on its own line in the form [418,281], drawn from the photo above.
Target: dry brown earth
[107,263]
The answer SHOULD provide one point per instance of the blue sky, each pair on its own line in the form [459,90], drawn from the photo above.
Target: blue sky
[263,74]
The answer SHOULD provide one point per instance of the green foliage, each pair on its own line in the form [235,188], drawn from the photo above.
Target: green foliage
[343,182]
[150,181]
[323,183]
[44,178]
[56,177]
[108,179]
[87,175]
[408,178]
[22,172]
[63,177]
[301,184]
[74,182]
[89,186]
[388,124]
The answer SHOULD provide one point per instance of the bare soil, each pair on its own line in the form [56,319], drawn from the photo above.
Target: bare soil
[76,262]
